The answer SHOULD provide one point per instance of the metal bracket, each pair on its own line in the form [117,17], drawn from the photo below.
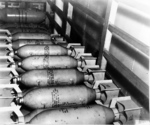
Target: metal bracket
[94,75]
[87,61]
[9,39]
[5,61]
[11,115]
[92,67]
[73,44]
[6,74]
[5,31]
[83,55]
[5,50]
[98,82]
[8,92]
[110,91]
[128,111]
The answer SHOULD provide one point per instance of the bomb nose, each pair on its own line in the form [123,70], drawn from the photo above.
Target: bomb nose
[16,52]
[10,44]
[19,101]
[12,65]
[19,63]
[16,79]
[11,54]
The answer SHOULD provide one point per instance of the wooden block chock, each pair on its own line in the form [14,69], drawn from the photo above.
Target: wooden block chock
[57,38]
[6,35]
[125,110]
[77,50]
[8,73]
[108,91]
[87,61]
[7,32]
[8,92]
[5,61]
[94,75]
[72,45]
[6,50]
[11,115]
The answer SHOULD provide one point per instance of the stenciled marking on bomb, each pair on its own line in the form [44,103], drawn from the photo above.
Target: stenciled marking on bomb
[30,53]
[50,77]
[38,81]
[29,41]
[46,50]
[38,42]
[66,104]
[64,110]
[46,62]
[55,97]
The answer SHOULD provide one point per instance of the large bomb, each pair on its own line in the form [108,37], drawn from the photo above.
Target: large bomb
[22,26]
[30,115]
[47,97]
[49,62]
[18,36]
[91,114]
[26,30]
[53,77]
[21,42]
[39,36]
[9,15]
[38,50]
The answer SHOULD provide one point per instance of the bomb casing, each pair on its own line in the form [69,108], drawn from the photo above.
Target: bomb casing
[49,62]
[9,15]
[26,30]
[60,96]
[39,36]
[91,114]
[22,26]
[55,77]
[35,50]
[32,114]
[21,42]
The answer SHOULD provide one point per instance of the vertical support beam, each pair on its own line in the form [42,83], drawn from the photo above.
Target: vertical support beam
[54,2]
[69,16]
[110,15]
[45,6]
[48,10]
[52,8]
[65,12]
[59,4]
[85,27]
[6,4]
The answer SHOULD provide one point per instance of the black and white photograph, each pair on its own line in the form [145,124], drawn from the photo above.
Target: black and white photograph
[74,62]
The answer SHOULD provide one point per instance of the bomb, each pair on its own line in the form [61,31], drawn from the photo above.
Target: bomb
[22,26]
[18,36]
[91,114]
[30,115]
[35,50]
[50,62]
[33,113]
[9,15]
[55,77]
[21,42]
[26,30]
[60,96]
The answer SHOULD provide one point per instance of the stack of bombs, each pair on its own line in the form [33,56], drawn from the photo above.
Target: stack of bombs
[57,94]
[52,73]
